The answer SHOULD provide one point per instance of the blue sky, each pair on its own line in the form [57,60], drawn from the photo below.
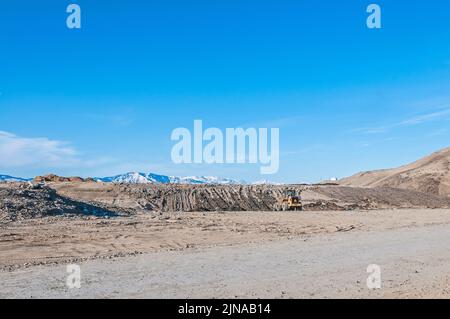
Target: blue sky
[104,100]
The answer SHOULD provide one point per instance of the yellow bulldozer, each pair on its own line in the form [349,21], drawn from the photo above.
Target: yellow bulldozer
[291,200]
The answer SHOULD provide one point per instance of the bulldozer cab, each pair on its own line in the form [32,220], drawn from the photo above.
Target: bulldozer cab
[290,200]
[291,193]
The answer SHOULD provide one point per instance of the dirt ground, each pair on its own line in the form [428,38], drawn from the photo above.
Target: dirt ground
[199,198]
[63,239]
[32,250]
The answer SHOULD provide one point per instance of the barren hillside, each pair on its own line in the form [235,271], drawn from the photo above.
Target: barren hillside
[430,175]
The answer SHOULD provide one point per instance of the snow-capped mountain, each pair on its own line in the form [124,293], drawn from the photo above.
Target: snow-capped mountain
[7,178]
[150,178]
[136,178]
[147,178]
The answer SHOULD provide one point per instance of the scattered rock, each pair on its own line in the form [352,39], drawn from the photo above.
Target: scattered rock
[59,179]
[26,200]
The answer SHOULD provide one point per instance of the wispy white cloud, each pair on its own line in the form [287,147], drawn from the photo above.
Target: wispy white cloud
[437,133]
[437,115]
[41,152]
[375,130]
[18,151]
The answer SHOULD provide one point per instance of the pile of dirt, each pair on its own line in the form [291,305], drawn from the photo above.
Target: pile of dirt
[55,178]
[24,201]
[382,198]
[175,197]
[75,196]
[429,175]
[191,198]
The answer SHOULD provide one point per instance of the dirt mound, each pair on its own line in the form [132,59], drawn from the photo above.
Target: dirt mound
[382,198]
[162,197]
[55,178]
[25,201]
[189,198]
[430,175]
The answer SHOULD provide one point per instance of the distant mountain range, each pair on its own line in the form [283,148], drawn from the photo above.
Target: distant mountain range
[7,178]
[140,178]
[150,178]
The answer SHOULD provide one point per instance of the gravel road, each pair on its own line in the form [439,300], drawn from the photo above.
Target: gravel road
[414,261]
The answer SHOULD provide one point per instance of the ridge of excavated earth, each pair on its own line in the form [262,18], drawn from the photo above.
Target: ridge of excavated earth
[191,198]
[430,174]
[24,201]
[422,184]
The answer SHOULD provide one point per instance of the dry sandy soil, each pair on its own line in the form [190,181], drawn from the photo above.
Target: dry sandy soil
[430,174]
[21,201]
[233,254]
[190,241]
[194,198]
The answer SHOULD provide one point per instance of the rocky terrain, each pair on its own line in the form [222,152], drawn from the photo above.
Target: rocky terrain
[381,198]
[191,198]
[24,201]
[398,218]
[423,184]
[56,178]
